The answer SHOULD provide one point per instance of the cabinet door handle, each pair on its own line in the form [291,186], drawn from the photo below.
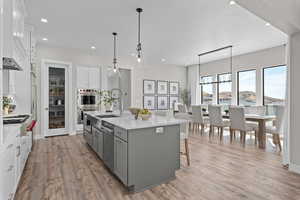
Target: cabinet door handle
[10,146]
[19,151]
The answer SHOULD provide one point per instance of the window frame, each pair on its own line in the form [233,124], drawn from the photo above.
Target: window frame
[238,84]
[263,80]
[218,85]
[205,84]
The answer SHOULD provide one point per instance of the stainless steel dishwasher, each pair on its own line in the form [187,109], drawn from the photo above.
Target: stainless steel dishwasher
[108,144]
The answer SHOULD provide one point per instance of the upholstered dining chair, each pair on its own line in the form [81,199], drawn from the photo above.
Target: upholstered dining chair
[278,125]
[181,108]
[184,134]
[216,120]
[238,123]
[198,119]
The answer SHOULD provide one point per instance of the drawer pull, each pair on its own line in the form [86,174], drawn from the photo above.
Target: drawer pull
[10,146]
[10,168]
[19,151]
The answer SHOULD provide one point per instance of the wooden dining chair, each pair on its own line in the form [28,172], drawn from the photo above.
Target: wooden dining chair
[278,125]
[216,120]
[238,123]
[198,120]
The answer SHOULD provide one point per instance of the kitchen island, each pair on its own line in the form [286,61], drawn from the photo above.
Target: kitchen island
[141,154]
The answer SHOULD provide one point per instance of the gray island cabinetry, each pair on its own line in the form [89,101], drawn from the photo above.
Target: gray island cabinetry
[142,154]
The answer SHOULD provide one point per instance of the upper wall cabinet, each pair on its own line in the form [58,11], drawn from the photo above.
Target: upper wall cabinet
[94,78]
[19,14]
[14,42]
[88,78]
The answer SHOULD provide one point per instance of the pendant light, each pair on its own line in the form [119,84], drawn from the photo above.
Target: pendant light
[139,45]
[115,58]
[211,52]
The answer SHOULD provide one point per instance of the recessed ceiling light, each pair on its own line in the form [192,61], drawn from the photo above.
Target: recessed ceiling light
[44,20]
[268,24]
[45,39]
[232,2]
[163,60]
[93,47]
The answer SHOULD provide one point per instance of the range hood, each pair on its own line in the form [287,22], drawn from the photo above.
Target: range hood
[11,64]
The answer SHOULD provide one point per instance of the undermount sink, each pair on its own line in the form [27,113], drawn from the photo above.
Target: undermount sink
[107,116]
[17,119]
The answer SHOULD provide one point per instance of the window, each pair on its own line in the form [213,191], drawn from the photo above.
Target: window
[247,87]
[224,89]
[274,85]
[207,90]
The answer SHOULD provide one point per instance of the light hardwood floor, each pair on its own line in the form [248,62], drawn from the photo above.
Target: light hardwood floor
[64,168]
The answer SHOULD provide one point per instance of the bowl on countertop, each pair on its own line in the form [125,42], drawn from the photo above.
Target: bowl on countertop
[145,116]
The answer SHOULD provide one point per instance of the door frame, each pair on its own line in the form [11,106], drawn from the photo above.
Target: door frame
[69,97]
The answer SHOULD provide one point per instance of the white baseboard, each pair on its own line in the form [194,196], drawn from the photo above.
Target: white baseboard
[294,168]
[38,137]
[73,133]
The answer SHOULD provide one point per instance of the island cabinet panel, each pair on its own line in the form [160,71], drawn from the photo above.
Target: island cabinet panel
[99,144]
[120,159]
[95,139]
[153,156]
[121,133]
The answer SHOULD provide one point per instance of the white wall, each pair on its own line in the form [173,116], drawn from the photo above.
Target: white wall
[154,72]
[86,58]
[294,102]
[1,76]
[256,60]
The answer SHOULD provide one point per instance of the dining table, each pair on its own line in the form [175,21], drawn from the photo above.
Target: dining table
[260,119]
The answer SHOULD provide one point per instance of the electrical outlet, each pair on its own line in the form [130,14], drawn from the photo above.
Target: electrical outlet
[159,130]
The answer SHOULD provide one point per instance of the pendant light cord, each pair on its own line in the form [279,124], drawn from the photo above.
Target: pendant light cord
[139,29]
[139,45]
[115,46]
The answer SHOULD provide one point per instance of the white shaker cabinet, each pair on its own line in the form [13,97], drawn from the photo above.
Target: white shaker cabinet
[82,78]
[9,166]
[14,153]
[94,78]
[88,78]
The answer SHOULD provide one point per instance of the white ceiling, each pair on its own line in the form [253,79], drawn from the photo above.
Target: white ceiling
[283,14]
[176,30]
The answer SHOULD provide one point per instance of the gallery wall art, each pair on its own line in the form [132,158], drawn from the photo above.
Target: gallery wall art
[160,94]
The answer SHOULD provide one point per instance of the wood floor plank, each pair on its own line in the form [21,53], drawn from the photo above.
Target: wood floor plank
[65,168]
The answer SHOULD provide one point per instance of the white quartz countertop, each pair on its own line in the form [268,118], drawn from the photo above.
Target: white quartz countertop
[127,121]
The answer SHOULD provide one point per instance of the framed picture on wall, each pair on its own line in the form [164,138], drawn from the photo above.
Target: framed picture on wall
[149,102]
[173,100]
[162,87]
[162,103]
[149,87]
[174,88]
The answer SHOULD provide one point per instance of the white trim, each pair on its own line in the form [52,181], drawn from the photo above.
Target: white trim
[286,125]
[1,70]
[294,168]
[70,117]
[38,137]
[73,133]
